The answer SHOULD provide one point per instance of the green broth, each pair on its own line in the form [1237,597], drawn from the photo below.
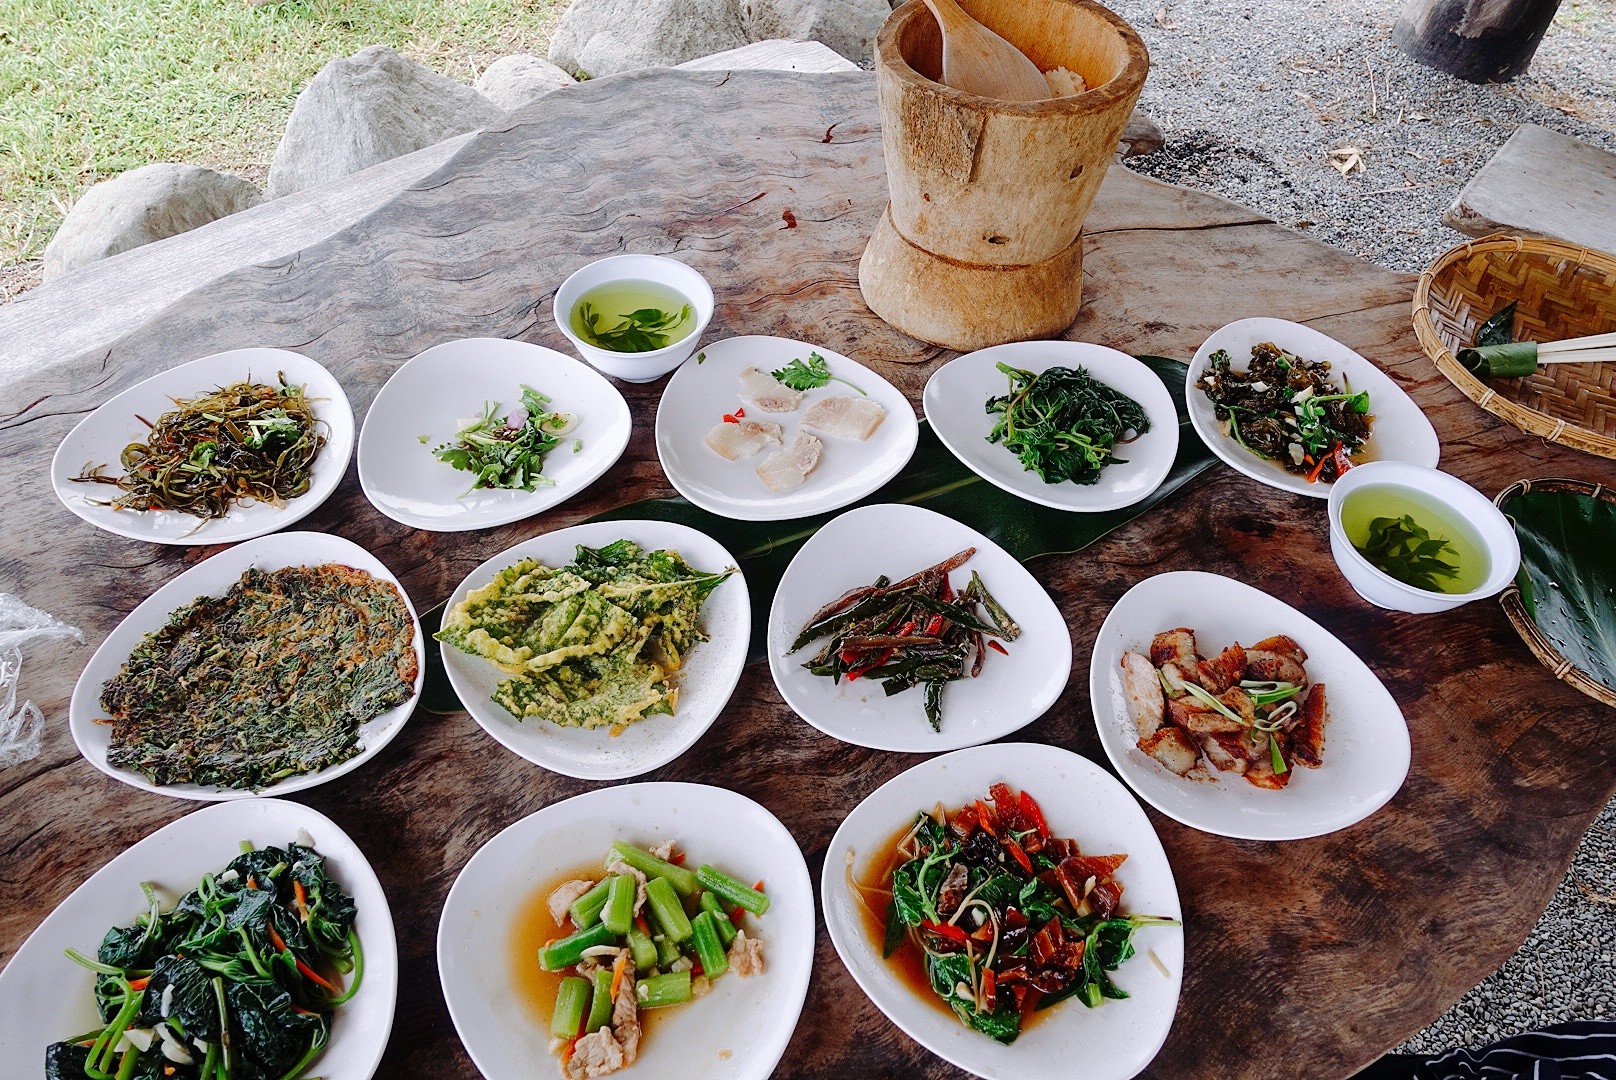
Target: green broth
[1464,548]
[614,303]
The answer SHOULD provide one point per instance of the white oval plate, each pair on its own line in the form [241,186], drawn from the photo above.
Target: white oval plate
[738,1030]
[99,439]
[432,393]
[703,390]
[1400,431]
[711,669]
[45,997]
[1366,744]
[1080,801]
[213,577]
[956,397]
[898,540]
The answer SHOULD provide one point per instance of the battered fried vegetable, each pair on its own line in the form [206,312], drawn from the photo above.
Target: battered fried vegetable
[272,679]
[243,442]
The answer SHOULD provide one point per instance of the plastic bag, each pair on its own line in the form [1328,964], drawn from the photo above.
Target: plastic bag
[22,727]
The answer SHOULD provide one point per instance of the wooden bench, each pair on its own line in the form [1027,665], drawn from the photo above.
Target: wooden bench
[1545,184]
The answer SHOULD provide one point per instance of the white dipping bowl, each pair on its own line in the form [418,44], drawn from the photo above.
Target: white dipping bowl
[643,366]
[1460,500]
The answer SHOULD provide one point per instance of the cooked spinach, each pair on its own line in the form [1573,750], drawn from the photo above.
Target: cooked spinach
[1064,424]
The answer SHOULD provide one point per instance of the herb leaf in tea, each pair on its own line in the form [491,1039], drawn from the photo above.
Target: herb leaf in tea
[1403,548]
[642,330]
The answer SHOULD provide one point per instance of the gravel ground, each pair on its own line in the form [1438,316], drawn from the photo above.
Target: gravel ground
[1253,99]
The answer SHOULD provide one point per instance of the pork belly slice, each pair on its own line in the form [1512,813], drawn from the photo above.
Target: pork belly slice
[1307,737]
[1260,773]
[788,468]
[760,390]
[1143,689]
[1225,750]
[733,441]
[1176,647]
[1222,671]
[845,417]
[1190,714]
[1173,748]
[1277,659]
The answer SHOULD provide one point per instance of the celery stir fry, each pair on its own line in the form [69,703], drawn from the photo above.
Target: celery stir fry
[239,980]
[1009,917]
[648,934]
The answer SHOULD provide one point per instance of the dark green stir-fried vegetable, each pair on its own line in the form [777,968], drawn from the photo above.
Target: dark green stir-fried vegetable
[242,442]
[237,982]
[807,374]
[1286,409]
[1064,424]
[272,679]
[644,330]
[503,454]
[1009,917]
[1406,550]
[916,632]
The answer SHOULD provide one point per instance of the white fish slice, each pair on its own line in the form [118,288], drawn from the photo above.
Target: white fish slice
[733,441]
[788,468]
[761,390]
[845,417]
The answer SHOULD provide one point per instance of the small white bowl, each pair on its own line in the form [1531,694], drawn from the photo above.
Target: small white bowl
[1460,500]
[643,366]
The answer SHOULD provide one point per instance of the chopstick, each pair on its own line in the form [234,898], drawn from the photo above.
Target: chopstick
[1594,349]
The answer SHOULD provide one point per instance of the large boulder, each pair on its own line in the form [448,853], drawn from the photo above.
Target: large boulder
[144,204]
[512,81]
[848,26]
[368,108]
[605,37]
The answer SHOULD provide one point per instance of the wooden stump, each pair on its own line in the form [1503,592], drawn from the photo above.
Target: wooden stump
[1476,40]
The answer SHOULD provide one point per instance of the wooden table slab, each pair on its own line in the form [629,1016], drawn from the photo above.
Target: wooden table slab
[1303,958]
[1541,183]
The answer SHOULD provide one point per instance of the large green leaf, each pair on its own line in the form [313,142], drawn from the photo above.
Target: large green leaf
[1568,577]
[935,479]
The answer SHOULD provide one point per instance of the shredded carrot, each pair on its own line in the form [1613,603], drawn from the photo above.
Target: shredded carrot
[301,896]
[984,820]
[758,885]
[1020,855]
[566,1054]
[315,977]
[301,1011]
[1312,477]
[645,927]
[251,884]
[140,984]
[275,940]
[990,988]
[618,968]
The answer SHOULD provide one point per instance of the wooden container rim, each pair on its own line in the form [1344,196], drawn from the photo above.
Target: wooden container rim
[1128,81]
[1527,419]
[1515,608]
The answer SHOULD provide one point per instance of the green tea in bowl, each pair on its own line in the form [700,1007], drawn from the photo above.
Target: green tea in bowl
[634,317]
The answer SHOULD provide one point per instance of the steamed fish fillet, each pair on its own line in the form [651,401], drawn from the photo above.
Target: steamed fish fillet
[761,390]
[788,468]
[732,441]
[845,417]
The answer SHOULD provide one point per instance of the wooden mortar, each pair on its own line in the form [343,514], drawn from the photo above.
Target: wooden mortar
[982,241]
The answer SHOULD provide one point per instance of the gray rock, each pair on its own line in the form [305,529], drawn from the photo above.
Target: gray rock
[773,56]
[605,37]
[1142,136]
[848,26]
[145,204]
[512,81]
[368,108]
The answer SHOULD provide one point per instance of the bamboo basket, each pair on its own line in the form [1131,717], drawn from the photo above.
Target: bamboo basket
[1563,291]
[1515,609]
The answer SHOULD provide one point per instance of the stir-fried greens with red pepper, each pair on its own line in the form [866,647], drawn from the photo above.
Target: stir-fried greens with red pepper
[1287,410]
[1010,917]
[237,982]
[914,632]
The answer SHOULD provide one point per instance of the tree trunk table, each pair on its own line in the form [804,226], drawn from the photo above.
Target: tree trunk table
[1305,957]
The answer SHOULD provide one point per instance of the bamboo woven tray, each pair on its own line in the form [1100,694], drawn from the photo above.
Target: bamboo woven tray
[1515,608]
[1563,291]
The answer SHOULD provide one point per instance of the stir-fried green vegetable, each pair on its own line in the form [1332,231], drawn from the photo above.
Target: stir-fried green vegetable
[916,632]
[1288,410]
[1009,917]
[1406,550]
[243,442]
[806,375]
[239,980]
[643,330]
[505,454]
[1064,424]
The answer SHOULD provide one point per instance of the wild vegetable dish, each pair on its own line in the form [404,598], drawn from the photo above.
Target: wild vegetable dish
[508,451]
[1009,918]
[595,643]
[273,679]
[238,980]
[1064,424]
[647,934]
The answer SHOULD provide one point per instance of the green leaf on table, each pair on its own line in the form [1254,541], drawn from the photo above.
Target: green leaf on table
[1567,577]
[1500,329]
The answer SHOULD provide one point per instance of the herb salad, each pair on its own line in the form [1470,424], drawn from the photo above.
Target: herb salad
[500,452]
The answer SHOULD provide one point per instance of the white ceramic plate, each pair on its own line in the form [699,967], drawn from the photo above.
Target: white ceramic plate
[213,577]
[957,393]
[700,393]
[1366,745]
[711,668]
[447,383]
[898,540]
[1081,801]
[45,997]
[740,1029]
[1400,431]
[99,439]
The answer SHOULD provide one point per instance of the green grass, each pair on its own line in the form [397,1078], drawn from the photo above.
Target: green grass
[92,88]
